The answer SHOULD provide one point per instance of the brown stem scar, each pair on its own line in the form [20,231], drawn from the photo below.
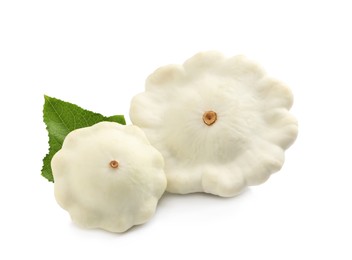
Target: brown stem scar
[209,117]
[114,164]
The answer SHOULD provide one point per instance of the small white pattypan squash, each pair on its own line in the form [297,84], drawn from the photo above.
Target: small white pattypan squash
[108,176]
[220,123]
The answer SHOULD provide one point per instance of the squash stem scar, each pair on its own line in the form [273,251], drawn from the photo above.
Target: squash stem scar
[209,117]
[114,164]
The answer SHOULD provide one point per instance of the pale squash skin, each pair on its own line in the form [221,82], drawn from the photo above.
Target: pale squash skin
[108,176]
[242,145]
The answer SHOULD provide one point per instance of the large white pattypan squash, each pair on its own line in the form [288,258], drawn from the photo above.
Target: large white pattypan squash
[108,176]
[220,123]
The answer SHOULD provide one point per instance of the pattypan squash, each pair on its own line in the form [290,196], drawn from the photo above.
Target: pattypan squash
[108,176]
[221,123]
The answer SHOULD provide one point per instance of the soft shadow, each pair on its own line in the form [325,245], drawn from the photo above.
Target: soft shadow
[165,202]
[102,232]
[168,197]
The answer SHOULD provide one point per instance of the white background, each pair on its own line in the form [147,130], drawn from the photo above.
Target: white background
[98,53]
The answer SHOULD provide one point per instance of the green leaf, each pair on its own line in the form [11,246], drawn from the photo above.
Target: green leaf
[61,118]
